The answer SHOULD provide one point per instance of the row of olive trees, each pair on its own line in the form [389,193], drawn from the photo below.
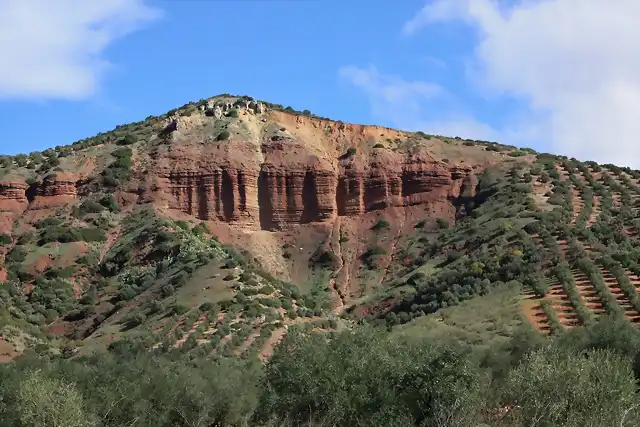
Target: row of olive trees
[365,377]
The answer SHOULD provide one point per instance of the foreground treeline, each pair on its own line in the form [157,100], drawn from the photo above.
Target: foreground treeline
[586,377]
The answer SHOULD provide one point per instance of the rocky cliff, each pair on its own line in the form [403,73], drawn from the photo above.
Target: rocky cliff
[56,190]
[286,185]
[13,196]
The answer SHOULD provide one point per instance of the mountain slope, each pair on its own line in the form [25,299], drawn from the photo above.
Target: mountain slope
[219,226]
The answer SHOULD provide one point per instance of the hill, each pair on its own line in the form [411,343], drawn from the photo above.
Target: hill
[217,230]
[112,234]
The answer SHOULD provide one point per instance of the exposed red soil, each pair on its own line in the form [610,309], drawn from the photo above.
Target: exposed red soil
[7,351]
[191,330]
[112,238]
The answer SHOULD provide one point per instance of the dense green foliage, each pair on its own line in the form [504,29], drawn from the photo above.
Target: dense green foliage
[586,377]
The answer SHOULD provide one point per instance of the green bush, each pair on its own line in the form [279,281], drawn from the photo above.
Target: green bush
[17,254]
[517,153]
[5,239]
[443,224]
[223,135]
[128,139]
[110,203]
[89,207]
[380,225]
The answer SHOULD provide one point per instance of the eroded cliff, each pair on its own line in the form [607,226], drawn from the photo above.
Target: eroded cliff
[283,191]
[17,197]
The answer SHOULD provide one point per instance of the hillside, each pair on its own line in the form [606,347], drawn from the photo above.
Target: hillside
[229,225]
[241,218]
[237,215]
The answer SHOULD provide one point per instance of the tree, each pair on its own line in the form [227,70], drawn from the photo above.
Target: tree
[49,402]
[554,388]
[223,135]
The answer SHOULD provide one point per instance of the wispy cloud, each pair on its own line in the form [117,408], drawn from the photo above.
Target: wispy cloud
[406,104]
[572,63]
[55,49]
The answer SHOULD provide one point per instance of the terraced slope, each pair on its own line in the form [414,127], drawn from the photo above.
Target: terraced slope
[598,239]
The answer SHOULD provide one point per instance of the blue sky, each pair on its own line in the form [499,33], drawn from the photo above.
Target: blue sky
[457,67]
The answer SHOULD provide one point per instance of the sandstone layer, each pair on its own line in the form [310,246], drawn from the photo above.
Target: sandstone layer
[13,196]
[16,196]
[286,184]
[59,190]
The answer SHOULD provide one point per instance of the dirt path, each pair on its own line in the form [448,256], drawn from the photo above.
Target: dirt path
[332,282]
[394,244]
[111,240]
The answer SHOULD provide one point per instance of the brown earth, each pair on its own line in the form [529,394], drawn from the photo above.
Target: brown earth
[37,200]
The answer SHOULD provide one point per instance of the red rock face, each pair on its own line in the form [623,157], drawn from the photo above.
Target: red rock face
[59,191]
[224,194]
[13,197]
[290,186]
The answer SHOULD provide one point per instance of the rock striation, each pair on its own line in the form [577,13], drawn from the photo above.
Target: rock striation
[287,186]
[13,196]
[54,191]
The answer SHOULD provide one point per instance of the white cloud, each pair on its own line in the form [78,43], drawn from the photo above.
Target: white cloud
[54,49]
[574,63]
[404,103]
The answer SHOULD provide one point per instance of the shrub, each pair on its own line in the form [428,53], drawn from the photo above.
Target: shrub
[378,145]
[200,229]
[89,207]
[5,239]
[351,152]
[381,224]
[233,113]
[442,223]
[179,309]
[323,258]
[208,307]
[17,254]
[128,139]
[110,203]
[517,153]
[223,135]
[369,256]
